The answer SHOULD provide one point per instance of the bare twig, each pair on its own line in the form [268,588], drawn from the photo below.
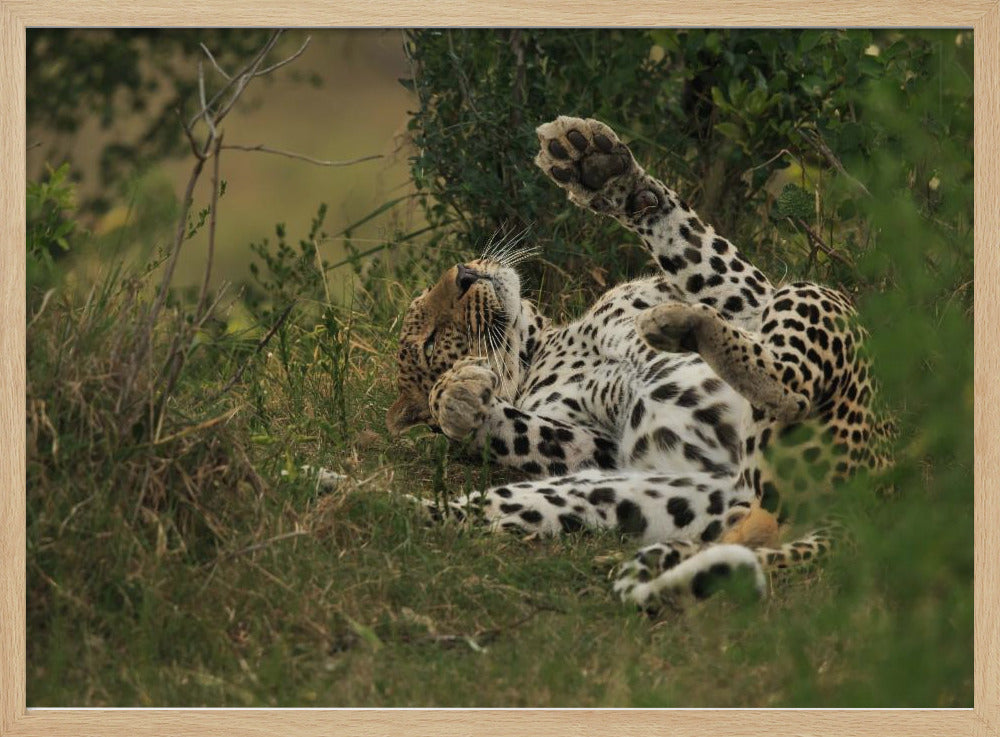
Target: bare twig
[259,546]
[817,142]
[239,80]
[485,636]
[204,105]
[200,426]
[260,346]
[243,80]
[819,243]
[301,157]
[189,134]
[778,155]
[146,334]
[203,298]
[215,64]
[212,112]
[289,60]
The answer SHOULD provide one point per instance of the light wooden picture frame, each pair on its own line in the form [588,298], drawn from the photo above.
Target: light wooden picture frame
[983,16]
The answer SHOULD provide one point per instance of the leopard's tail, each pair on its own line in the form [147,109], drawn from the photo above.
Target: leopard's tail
[677,571]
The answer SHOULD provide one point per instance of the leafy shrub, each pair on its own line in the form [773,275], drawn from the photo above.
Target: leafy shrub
[51,228]
[739,122]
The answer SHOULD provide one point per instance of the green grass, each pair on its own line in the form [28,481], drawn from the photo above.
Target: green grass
[194,572]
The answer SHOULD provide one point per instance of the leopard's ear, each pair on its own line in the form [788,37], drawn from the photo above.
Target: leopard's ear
[406,412]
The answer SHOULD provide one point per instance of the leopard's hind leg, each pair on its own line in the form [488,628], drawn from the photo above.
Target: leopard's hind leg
[741,359]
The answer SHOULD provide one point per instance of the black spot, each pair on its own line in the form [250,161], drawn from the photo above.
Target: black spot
[680,510]
[547,381]
[503,492]
[709,415]
[511,508]
[571,523]
[601,495]
[499,446]
[705,583]
[664,392]
[695,283]
[733,304]
[711,385]
[638,412]
[665,438]
[689,398]
[718,265]
[711,532]
[769,498]
[555,500]
[671,264]
[640,447]
[531,467]
[715,504]
[719,245]
[521,445]
[532,516]
[630,518]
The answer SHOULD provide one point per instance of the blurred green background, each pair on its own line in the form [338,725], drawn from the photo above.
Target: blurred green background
[340,100]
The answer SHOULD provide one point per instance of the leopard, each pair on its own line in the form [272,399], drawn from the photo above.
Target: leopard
[695,410]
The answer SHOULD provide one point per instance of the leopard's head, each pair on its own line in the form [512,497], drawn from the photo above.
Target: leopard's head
[475,309]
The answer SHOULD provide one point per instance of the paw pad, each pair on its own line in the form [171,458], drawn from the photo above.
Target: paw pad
[586,158]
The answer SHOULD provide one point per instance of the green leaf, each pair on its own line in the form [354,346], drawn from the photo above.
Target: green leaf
[731,131]
[808,40]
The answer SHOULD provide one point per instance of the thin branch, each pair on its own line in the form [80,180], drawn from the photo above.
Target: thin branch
[203,298]
[821,244]
[259,546]
[250,68]
[246,78]
[260,346]
[301,157]
[189,134]
[289,60]
[146,334]
[817,142]
[769,161]
[204,105]
[211,58]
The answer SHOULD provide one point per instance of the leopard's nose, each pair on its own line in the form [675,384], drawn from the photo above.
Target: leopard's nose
[465,278]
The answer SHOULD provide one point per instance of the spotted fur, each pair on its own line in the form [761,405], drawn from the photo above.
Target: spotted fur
[675,410]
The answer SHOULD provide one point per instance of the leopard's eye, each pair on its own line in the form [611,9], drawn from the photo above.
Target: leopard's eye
[429,346]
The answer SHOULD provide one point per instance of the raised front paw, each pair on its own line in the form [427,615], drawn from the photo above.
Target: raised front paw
[672,327]
[585,157]
[460,399]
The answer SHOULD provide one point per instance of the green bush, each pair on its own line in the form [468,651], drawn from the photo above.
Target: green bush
[739,122]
